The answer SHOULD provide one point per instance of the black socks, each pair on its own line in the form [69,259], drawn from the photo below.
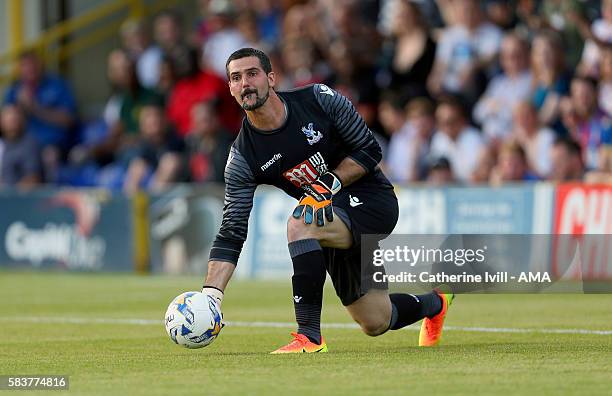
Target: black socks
[308,280]
[408,308]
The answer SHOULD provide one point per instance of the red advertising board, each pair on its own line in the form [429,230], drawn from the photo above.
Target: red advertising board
[583,223]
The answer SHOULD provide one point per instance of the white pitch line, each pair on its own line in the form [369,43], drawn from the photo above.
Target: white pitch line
[150,322]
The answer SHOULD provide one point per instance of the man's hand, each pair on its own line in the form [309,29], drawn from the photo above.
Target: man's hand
[316,203]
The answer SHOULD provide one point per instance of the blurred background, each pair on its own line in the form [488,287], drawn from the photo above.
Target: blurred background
[494,117]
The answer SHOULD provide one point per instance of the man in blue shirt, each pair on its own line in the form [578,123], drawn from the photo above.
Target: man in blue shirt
[46,100]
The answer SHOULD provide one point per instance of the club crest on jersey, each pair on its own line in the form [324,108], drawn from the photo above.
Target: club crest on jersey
[308,171]
[311,135]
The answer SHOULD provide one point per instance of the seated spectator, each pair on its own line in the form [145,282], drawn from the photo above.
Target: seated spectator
[168,35]
[409,55]
[603,173]
[601,31]
[49,108]
[156,162]
[466,50]
[223,36]
[201,86]
[511,165]
[549,80]
[455,138]
[208,144]
[485,163]
[494,109]
[567,18]
[535,139]
[440,173]
[605,80]
[142,52]
[566,158]
[20,163]
[409,146]
[568,116]
[592,121]
[501,14]
[129,94]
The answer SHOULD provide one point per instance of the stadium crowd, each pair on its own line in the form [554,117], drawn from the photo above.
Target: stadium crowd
[456,91]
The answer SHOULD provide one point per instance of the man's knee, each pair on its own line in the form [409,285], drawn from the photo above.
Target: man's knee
[296,230]
[374,327]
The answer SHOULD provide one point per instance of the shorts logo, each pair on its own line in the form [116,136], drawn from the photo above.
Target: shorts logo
[308,171]
[354,201]
[311,135]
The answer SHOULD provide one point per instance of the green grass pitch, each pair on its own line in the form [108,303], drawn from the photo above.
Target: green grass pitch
[116,358]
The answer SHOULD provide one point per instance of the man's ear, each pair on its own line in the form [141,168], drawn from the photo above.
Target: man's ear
[271,79]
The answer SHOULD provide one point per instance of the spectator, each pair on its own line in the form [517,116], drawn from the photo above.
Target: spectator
[527,19]
[566,158]
[535,139]
[269,19]
[408,57]
[440,172]
[592,121]
[603,173]
[20,163]
[485,163]
[246,23]
[601,35]
[568,115]
[494,109]
[455,139]
[146,56]
[208,144]
[511,165]
[549,81]
[501,14]
[198,86]
[129,95]
[566,17]
[409,146]
[49,108]
[466,50]
[168,34]
[224,38]
[157,160]
[605,81]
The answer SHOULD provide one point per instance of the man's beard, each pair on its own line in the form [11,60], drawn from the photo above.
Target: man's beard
[259,100]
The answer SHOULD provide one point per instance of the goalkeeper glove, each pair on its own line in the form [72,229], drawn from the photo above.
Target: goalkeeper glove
[316,203]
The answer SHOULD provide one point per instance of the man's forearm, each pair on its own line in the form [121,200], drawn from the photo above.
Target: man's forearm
[349,171]
[219,274]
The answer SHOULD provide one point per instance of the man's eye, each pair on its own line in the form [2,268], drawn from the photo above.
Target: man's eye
[236,78]
[253,73]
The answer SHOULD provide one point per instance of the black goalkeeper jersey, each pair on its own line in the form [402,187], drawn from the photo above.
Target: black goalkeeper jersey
[322,128]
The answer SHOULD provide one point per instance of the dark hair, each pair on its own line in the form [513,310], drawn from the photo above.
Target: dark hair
[455,102]
[245,53]
[571,145]
[590,81]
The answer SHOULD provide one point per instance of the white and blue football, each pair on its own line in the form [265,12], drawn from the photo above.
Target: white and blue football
[193,320]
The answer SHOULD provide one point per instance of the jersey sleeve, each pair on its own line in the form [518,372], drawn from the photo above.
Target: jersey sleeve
[361,145]
[240,187]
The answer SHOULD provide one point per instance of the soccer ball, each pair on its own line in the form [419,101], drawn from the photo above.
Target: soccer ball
[193,320]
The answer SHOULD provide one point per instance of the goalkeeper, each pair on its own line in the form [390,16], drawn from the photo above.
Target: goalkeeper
[312,144]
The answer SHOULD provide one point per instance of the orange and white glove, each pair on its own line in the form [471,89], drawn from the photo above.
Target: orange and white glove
[316,203]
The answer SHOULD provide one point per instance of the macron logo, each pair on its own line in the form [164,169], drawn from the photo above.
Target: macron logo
[271,161]
[326,90]
[297,299]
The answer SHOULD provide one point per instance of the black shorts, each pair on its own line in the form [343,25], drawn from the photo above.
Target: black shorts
[365,209]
